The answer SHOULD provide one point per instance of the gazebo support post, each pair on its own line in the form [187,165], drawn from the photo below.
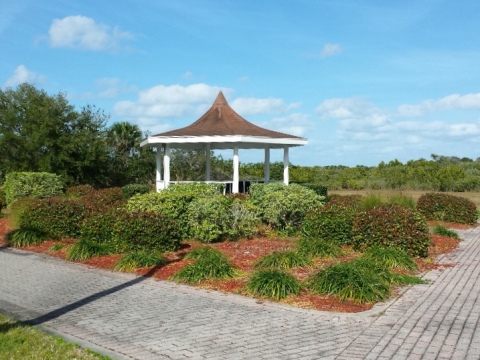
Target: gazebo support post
[166,166]
[285,165]
[207,162]
[266,165]
[158,182]
[236,176]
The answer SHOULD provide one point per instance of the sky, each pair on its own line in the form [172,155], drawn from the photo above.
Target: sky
[364,81]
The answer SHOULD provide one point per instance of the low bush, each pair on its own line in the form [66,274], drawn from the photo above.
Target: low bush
[283,260]
[332,222]
[209,264]
[317,247]
[391,258]
[3,199]
[99,228]
[57,217]
[75,192]
[135,189]
[86,249]
[103,200]
[392,226]
[25,237]
[444,207]
[38,185]
[403,200]
[244,219]
[356,280]
[440,230]
[319,189]
[273,284]
[18,207]
[284,207]
[140,259]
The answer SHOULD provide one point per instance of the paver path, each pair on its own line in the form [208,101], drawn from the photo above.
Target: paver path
[142,318]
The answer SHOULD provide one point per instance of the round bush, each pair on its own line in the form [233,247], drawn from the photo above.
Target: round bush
[392,226]
[134,189]
[273,283]
[103,200]
[444,207]
[79,190]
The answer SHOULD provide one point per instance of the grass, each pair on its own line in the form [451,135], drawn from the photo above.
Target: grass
[317,247]
[25,237]
[84,250]
[18,341]
[283,260]
[391,258]
[139,259]
[272,283]
[440,230]
[57,247]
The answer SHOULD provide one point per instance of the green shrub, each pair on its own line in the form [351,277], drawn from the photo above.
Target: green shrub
[355,280]
[440,230]
[273,284]
[85,249]
[103,200]
[371,201]
[39,185]
[284,207]
[135,189]
[283,260]
[140,259]
[18,207]
[78,191]
[25,237]
[403,200]
[391,258]
[392,226]
[332,222]
[3,199]
[57,217]
[444,207]
[317,247]
[99,228]
[204,252]
[319,189]
[57,247]
[244,218]
[209,264]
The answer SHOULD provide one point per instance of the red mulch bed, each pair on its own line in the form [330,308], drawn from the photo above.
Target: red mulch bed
[243,254]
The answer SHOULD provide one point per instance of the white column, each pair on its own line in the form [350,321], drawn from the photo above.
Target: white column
[285,165]
[236,176]
[158,181]
[207,160]
[266,165]
[166,166]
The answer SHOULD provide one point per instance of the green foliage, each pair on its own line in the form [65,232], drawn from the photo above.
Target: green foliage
[3,199]
[244,219]
[332,222]
[440,230]
[85,249]
[392,226]
[99,228]
[209,264]
[403,279]
[444,207]
[57,217]
[134,189]
[25,237]
[57,247]
[203,252]
[103,200]
[31,184]
[319,189]
[402,200]
[284,207]
[18,207]
[317,247]
[78,191]
[391,258]
[140,259]
[283,260]
[273,284]
[371,201]
[356,280]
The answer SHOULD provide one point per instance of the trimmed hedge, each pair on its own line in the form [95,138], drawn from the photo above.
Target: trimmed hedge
[57,217]
[444,207]
[392,226]
[103,200]
[319,189]
[78,191]
[39,185]
[134,189]
[334,221]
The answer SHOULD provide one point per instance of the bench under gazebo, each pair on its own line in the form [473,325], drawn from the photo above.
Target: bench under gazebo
[221,128]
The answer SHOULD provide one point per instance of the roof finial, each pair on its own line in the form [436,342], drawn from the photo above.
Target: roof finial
[220,100]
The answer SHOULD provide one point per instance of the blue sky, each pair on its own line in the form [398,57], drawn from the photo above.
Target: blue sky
[365,81]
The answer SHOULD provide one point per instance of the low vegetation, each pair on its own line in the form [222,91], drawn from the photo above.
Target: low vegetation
[273,284]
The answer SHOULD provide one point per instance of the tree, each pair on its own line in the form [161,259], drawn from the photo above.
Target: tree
[39,132]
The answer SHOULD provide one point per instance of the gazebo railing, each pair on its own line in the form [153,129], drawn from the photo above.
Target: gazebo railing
[243,185]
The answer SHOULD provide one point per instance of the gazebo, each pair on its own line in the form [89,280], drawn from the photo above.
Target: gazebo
[221,128]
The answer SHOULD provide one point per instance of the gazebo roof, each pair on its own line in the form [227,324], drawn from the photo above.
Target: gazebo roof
[222,127]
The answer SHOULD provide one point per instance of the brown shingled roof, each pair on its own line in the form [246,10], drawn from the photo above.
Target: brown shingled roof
[222,120]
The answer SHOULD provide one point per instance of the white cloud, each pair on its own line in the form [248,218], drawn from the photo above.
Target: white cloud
[294,124]
[22,74]
[328,50]
[450,102]
[112,87]
[80,32]
[255,106]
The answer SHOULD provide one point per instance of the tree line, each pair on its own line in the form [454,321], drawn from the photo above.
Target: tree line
[42,132]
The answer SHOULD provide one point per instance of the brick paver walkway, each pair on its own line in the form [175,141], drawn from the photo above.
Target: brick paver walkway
[142,318]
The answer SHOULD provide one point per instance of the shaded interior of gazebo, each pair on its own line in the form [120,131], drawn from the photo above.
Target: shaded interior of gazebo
[221,128]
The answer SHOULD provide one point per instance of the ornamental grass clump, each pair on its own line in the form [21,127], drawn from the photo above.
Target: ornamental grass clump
[356,280]
[273,284]
[317,247]
[25,237]
[440,230]
[209,264]
[444,207]
[85,249]
[283,260]
[140,259]
[391,258]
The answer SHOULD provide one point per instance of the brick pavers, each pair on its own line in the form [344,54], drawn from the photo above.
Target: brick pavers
[143,318]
